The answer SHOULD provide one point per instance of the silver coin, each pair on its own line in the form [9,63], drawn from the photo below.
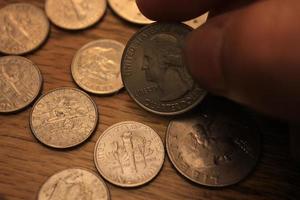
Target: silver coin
[74,183]
[216,146]
[154,72]
[96,66]
[129,154]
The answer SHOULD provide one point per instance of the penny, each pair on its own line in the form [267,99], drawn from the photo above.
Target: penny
[154,72]
[20,83]
[129,154]
[195,23]
[74,183]
[75,14]
[23,28]
[217,146]
[96,67]
[64,117]
[128,10]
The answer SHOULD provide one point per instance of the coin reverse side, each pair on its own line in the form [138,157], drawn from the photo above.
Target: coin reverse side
[129,154]
[20,83]
[64,117]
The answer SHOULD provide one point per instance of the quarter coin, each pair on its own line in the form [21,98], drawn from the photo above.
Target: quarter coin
[20,83]
[23,28]
[216,146]
[129,154]
[75,14]
[74,184]
[154,72]
[63,118]
[96,67]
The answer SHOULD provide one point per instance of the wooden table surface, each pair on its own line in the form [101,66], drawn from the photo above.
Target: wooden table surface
[25,163]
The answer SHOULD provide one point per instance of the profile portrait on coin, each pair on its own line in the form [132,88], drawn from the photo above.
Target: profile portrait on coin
[163,64]
[95,64]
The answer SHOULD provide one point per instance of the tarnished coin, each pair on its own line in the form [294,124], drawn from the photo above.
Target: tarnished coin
[195,23]
[128,10]
[20,83]
[75,14]
[96,66]
[23,28]
[74,184]
[63,118]
[129,154]
[154,72]
[217,146]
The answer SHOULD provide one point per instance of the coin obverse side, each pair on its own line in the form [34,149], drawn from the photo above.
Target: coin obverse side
[23,28]
[74,183]
[215,147]
[154,73]
[129,154]
[128,10]
[20,83]
[96,67]
[64,117]
[75,14]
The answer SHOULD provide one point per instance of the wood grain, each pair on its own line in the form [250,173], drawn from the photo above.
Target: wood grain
[25,163]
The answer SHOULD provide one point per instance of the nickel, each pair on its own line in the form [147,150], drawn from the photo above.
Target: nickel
[75,14]
[218,145]
[74,184]
[96,67]
[20,83]
[63,118]
[129,154]
[23,28]
[154,72]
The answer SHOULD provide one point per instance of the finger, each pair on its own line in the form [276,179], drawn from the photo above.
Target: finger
[175,9]
[250,55]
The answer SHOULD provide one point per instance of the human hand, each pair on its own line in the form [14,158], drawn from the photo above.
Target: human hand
[249,52]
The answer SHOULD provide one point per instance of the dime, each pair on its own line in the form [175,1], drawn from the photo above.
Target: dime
[20,83]
[23,28]
[128,10]
[75,14]
[74,184]
[96,66]
[154,72]
[217,146]
[63,118]
[195,23]
[129,154]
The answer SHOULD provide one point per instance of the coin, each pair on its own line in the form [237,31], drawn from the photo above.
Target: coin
[75,14]
[129,154]
[96,66]
[74,183]
[195,23]
[128,10]
[20,83]
[217,146]
[23,28]
[64,117]
[154,72]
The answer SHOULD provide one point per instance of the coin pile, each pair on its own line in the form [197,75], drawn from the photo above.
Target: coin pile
[216,145]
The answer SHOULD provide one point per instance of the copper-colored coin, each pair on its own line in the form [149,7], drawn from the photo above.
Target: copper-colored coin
[195,23]
[74,184]
[96,66]
[20,83]
[217,146]
[63,118]
[23,28]
[129,154]
[154,71]
[75,14]
[128,10]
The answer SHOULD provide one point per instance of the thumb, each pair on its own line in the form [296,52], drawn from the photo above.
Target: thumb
[250,55]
